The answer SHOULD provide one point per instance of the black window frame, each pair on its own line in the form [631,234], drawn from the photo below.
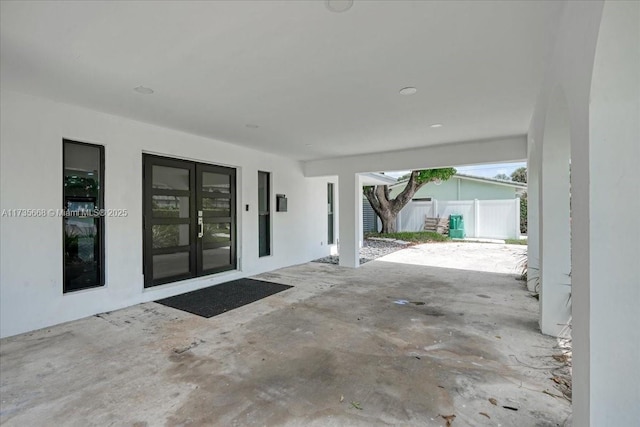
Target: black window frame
[101,221]
[331,205]
[267,214]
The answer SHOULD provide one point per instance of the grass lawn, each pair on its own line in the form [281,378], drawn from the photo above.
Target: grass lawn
[515,241]
[414,237]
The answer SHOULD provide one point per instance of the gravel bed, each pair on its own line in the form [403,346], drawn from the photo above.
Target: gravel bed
[371,249]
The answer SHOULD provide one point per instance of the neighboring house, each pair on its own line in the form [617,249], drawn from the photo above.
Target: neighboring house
[465,187]
[462,194]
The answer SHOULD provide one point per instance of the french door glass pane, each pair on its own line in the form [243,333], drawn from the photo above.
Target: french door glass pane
[216,183]
[216,207]
[170,235]
[215,258]
[217,232]
[168,265]
[170,206]
[168,178]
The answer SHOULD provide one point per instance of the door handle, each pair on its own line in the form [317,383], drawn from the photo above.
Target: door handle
[201,226]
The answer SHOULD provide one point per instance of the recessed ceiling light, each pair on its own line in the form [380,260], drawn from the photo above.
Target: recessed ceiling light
[408,90]
[436,125]
[338,6]
[252,126]
[143,90]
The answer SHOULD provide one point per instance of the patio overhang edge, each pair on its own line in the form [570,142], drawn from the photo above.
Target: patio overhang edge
[495,150]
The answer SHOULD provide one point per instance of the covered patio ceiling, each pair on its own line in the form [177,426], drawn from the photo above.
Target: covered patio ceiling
[292,78]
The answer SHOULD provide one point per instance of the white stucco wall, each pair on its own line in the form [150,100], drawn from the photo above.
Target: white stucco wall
[571,67]
[603,106]
[31,250]
[614,155]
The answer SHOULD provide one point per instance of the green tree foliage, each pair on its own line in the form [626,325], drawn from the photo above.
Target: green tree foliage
[503,177]
[519,175]
[523,214]
[387,209]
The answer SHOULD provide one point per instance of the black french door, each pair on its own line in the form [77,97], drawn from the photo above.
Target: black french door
[189,219]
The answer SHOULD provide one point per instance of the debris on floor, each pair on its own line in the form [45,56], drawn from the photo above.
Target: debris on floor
[195,343]
[371,249]
[562,358]
[449,419]
[356,405]
[561,376]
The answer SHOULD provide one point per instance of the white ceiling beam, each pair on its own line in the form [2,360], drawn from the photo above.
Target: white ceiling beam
[495,150]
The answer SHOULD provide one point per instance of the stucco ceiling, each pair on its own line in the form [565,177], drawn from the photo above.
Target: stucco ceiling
[318,84]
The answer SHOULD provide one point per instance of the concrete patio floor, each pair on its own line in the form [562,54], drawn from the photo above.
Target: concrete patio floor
[335,350]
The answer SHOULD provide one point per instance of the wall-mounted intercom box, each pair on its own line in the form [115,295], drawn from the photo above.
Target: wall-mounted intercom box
[281,203]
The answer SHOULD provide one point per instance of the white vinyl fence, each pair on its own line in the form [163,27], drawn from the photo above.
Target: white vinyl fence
[490,219]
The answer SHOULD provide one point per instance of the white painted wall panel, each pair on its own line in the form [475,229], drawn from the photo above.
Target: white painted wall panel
[32,130]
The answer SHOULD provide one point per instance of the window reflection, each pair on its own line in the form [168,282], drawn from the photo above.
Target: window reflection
[83,248]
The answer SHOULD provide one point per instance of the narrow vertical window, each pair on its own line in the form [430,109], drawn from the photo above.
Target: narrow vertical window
[264,213]
[330,206]
[83,224]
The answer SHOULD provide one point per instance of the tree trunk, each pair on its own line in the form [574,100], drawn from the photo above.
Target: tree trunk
[388,219]
[386,208]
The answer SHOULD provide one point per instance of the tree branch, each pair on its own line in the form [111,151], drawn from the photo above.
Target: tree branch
[405,195]
[382,196]
[370,195]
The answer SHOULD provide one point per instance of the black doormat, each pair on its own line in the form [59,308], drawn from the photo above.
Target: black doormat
[218,299]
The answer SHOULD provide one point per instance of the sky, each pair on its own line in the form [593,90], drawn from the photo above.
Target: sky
[485,170]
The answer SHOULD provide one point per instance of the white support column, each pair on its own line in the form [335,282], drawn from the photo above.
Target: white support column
[606,245]
[533,238]
[350,198]
[555,222]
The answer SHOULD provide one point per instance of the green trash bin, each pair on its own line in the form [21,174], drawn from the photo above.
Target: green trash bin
[456,227]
